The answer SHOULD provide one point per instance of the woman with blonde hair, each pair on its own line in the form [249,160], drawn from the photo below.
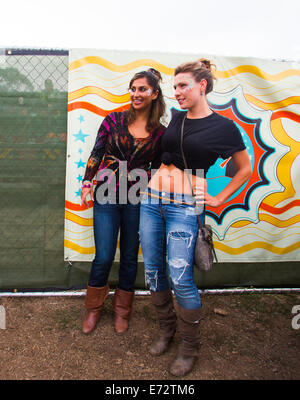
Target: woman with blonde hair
[168,220]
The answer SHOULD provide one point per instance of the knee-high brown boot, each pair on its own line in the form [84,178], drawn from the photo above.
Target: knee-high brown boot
[163,302]
[94,300]
[122,306]
[189,333]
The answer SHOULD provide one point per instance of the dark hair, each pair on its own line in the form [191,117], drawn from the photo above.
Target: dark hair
[201,69]
[158,106]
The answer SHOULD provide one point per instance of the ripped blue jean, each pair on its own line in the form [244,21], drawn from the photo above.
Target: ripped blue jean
[168,231]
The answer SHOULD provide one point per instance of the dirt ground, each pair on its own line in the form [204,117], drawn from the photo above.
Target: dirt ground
[244,337]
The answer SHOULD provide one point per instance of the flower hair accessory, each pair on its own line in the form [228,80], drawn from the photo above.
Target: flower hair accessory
[155,73]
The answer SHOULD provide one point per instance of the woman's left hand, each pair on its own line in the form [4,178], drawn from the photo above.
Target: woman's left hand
[243,165]
[202,197]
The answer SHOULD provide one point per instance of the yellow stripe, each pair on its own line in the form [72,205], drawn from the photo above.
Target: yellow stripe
[79,249]
[251,69]
[120,68]
[78,220]
[240,224]
[272,106]
[99,92]
[255,245]
[279,223]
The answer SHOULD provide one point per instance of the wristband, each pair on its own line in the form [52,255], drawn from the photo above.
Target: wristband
[86,184]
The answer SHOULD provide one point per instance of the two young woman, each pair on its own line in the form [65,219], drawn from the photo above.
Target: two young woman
[168,223]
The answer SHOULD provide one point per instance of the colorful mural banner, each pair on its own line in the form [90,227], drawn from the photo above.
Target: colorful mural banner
[261,222]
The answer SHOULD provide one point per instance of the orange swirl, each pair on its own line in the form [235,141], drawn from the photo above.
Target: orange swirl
[286,114]
[94,109]
[78,207]
[279,210]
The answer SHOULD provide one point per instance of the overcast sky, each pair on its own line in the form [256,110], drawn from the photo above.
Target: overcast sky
[248,28]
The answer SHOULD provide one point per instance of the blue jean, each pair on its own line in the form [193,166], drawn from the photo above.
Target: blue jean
[169,230]
[108,220]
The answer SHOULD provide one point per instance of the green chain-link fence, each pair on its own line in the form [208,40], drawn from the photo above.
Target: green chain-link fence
[33,132]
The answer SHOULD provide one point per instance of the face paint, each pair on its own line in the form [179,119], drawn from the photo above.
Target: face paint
[147,92]
[189,86]
[184,84]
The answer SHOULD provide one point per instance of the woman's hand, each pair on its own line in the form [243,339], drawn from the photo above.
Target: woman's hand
[202,197]
[84,193]
[243,165]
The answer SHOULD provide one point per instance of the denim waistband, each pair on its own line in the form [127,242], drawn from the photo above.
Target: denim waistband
[167,197]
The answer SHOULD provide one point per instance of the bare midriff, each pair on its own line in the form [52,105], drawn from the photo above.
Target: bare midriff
[171,179]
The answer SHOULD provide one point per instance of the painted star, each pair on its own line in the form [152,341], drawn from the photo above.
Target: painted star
[81,118]
[78,192]
[79,178]
[80,164]
[80,151]
[80,136]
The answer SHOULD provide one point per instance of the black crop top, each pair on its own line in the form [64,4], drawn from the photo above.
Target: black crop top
[204,141]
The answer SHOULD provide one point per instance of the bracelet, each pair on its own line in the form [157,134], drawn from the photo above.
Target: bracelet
[86,184]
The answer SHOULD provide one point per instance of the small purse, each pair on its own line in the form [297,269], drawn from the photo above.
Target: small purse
[204,248]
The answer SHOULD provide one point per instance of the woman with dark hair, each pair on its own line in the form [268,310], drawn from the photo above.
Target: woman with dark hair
[126,141]
[168,220]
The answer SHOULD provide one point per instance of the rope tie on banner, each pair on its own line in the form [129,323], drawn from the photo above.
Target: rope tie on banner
[69,265]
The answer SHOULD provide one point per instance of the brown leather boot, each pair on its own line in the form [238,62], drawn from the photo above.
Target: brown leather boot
[163,302]
[122,306]
[189,333]
[94,300]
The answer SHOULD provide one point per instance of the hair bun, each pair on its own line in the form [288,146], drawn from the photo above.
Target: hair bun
[206,63]
[155,73]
